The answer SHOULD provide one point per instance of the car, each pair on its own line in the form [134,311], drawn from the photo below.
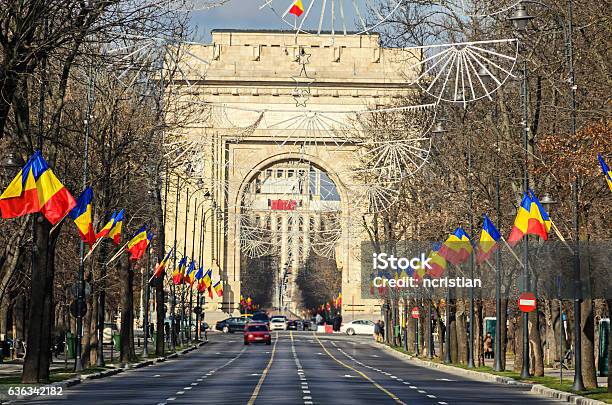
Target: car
[358,327]
[278,323]
[231,325]
[292,324]
[257,333]
[260,317]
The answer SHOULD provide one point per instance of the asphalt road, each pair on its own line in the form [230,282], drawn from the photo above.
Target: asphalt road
[298,368]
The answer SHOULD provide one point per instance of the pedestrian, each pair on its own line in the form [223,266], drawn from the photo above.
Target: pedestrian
[319,319]
[488,346]
[377,331]
[382,331]
[337,323]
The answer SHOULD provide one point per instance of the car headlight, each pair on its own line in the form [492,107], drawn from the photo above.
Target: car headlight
[250,336]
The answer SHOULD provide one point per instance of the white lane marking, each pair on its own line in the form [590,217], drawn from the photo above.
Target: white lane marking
[187,388]
[306,391]
[445,379]
[442,403]
[170,399]
[375,355]
[156,375]
[431,396]
[413,387]
[200,379]
[194,384]
[348,376]
[406,382]
[307,397]
[180,392]
[422,392]
[307,402]
[162,403]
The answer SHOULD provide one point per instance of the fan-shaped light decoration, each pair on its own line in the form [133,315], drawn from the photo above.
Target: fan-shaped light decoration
[341,17]
[377,196]
[465,71]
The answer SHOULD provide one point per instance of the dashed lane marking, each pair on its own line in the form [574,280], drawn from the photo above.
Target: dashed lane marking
[263,374]
[377,385]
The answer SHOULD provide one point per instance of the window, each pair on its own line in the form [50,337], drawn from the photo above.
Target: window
[280,173]
[290,173]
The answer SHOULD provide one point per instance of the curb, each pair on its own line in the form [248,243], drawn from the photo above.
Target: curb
[536,389]
[107,373]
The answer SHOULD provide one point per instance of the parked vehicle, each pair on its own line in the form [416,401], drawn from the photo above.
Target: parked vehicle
[358,327]
[260,317]
[278,323]
[292,324]
[231,325]
[257,333]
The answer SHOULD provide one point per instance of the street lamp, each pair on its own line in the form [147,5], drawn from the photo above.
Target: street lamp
[520,18]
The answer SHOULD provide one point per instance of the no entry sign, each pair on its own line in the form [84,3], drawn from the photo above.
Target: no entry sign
[527,302]
[415,312]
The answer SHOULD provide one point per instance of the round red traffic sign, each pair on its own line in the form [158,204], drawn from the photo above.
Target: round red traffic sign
[415,312]
[527,302]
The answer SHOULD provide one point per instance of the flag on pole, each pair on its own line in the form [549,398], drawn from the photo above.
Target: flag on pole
[488,243]
[207,279]
[606,171]
[161,266]
[139,242]
[457,247]
[437,263]
[297,8]
[218,288]
[115,232]
[201,286]
[81,215]
[210,294]
[539,214]
[177,274]
[190,273]
[199,274]
[36,189]
[521,222]
[107,227]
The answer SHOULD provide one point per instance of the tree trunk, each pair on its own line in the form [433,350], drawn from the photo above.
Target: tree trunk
[93,336]
[36,365]
[587,330]
[461,331]
[503,322]
[127,353]
[535,343]
[609,302]
[518,344]
[86,341]
[478,334]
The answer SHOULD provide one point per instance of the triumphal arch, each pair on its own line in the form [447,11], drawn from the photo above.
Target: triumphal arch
[276,155]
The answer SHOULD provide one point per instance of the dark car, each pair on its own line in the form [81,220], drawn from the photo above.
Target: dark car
[260,317]
[292,324]
[231,325]
[257,333]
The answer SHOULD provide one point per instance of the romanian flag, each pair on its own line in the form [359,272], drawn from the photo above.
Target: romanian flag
[207,279]
[489,238]
[190,273]
[539,214]
[177,274]
[199,274]
[106,228]
[139,243]
[606,171]
[531,219]
[161,266]
[457,247]
[36,189]
[218,288]
[81,215]
[297,8]
[210,294]
[437,263]
[201,286]
[115,232]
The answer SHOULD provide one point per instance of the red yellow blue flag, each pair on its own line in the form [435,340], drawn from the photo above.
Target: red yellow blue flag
[457,247]
[81,215]
[161,266]
[218,288]
[139,243]
[539,214]
[297,8]
[488,243]
[115,232]
[36,189]
[606,171]
[437,263]
[190,274]
[107,227]
[177,274]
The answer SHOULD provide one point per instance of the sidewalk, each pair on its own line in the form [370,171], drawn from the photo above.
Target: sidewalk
[568,375]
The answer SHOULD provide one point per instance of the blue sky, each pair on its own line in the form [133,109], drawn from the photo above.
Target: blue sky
[245,14]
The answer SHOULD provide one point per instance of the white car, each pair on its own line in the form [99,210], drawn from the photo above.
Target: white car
[358,327]
[278,323]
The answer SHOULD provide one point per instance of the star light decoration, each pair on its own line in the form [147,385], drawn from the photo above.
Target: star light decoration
[301,93]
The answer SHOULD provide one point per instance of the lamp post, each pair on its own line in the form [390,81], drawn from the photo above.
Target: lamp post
[521,18]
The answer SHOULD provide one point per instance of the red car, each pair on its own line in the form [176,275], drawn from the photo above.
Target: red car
[257,333]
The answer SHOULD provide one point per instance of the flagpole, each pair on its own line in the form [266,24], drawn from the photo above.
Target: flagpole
[78,363]
[512,251]
[117,254]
